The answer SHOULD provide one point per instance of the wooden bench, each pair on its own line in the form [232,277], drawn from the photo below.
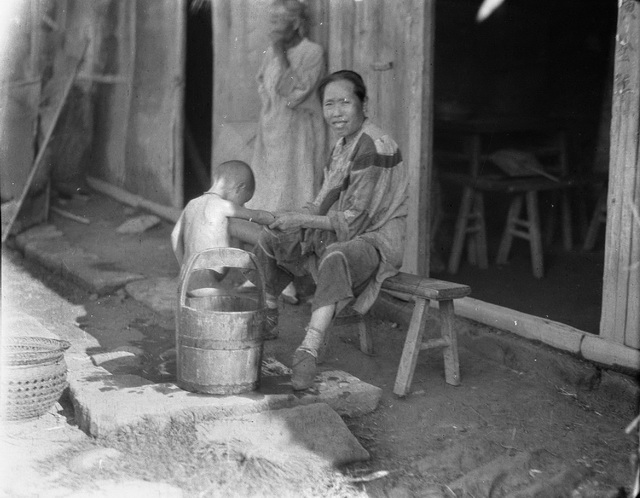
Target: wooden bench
[421,290]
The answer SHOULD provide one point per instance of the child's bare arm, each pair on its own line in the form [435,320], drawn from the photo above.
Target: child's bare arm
[256,215]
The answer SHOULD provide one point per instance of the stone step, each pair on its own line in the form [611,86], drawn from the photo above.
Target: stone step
[106,403]
[48,247]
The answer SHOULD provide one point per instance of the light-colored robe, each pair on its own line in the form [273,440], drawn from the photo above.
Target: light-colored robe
[290,148]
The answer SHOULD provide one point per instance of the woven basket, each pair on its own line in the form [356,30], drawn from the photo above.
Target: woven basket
[34,374]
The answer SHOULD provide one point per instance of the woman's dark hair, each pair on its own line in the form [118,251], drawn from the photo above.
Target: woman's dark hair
[359,88]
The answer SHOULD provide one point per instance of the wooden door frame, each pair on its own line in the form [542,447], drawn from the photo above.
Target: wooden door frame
[620,320]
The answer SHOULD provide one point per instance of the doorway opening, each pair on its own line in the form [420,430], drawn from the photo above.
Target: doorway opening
[198,99]
[547,62]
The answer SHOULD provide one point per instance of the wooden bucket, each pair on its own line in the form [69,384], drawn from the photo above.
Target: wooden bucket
[219,337]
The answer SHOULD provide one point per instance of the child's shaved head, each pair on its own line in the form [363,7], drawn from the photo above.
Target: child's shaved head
[235,173]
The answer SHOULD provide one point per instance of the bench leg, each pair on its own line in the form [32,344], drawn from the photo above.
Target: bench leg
[599,216]
[550,225]
[411,348]
[477,240]
[451,362]
[366,341]
[567,225]
[509,229]
[461,229]
[481,234]
[535,237]
[349,317]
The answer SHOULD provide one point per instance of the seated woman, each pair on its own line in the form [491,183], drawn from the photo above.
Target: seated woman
[352,236]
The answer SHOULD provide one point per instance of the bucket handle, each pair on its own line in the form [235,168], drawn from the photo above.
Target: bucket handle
[216,257]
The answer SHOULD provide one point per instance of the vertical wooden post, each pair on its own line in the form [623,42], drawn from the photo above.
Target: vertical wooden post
[178,118]
[420,75]
[127,58]
[620,320]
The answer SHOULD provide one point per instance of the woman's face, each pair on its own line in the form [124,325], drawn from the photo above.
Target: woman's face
[343,111]
[283,25]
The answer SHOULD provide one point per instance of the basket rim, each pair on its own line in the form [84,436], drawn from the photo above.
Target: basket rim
[29,350]
[36,343]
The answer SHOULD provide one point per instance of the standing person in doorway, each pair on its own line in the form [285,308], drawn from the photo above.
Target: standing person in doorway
[290,149]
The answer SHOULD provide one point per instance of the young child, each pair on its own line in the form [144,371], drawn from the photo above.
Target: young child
[204,222]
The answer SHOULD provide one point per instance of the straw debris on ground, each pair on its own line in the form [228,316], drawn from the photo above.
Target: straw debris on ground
[176,457]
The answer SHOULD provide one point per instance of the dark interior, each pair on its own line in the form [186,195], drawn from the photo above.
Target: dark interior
[198,97]
[544,60]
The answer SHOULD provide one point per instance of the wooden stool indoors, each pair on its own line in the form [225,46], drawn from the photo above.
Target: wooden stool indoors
[599,216]
[470,219]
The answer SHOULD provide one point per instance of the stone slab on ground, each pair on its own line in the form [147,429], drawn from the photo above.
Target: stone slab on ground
[128,489]
[44,246]
[106,403]
[160,294]
[315,432]
[40,232]
[18,324]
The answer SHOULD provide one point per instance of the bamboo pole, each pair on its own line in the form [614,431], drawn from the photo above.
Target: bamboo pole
[104,78]
[168,213]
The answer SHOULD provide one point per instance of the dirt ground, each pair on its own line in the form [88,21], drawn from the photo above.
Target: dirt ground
[508,430]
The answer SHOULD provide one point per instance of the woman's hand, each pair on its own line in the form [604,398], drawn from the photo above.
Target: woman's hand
[287,221]
[311,208]
[280,50]
[279,47]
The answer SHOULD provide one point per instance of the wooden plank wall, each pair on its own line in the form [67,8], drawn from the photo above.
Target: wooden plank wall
[239,41]
[135,70]
[154,149]
[391,45]
[340,26]
[113,76]
[70,146]
[621,302]
[388,43]
[20,82]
